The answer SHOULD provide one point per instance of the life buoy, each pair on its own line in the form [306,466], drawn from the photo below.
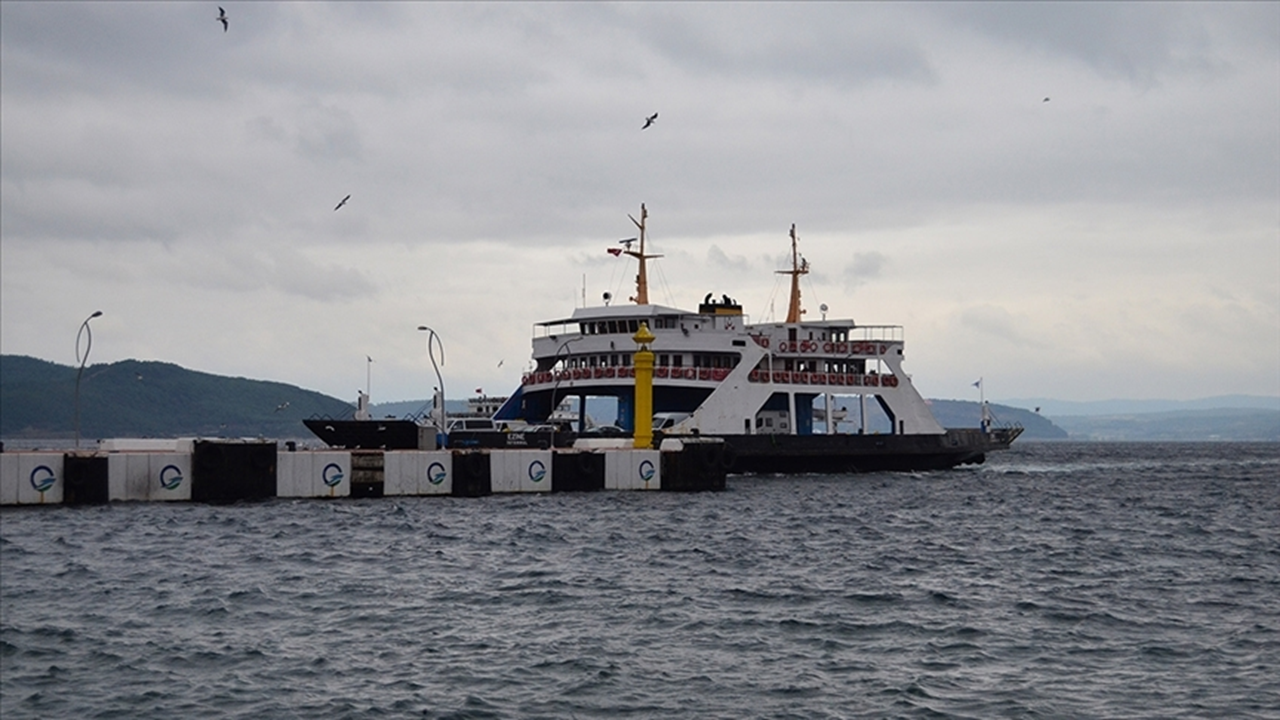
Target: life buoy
[719,374]
[871,381]
[852,380]
[690,373]
[828,348]
[610,372]
[842,348]
[727,457]
[777,376]
[661,371]
[802,378]
[524,379]
[889,380]
[819,379]
[761,341]
[837,379]
[598,373]
[754,376]
[704,373]
[710,456]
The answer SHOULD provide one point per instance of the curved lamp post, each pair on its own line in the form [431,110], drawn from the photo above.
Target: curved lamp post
[87,332]
[433,341]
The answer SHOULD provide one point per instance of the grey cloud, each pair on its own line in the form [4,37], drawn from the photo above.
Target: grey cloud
[865,267]
[719,258]
[1138,42]
[997,322]
[827,43]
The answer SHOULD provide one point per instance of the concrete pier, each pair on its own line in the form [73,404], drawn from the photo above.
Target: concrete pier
[231,471]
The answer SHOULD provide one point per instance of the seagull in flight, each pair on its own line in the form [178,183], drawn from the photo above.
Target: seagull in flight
[282,406]
[222,18]
[344,202]
[1046,99]
[649,121]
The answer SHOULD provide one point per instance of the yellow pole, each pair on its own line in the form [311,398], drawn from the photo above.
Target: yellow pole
[644,387]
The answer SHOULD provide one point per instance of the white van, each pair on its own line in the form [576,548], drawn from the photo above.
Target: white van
[667,420]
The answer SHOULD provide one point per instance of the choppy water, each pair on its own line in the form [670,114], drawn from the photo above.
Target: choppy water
[1058,580]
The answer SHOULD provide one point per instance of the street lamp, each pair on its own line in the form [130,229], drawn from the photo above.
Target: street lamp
[433,341]
[87,332]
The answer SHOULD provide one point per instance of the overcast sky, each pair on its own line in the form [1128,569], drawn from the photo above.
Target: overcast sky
[1078,201]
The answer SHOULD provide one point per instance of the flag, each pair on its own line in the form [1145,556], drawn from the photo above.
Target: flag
[366,357]
[978,384]
[479,391]
[615,251]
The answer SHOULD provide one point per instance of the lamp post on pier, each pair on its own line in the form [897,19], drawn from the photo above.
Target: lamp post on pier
[87,332]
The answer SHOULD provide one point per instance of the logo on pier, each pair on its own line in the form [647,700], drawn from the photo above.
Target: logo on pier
[647,470]
[537,471]
[332,474]
[170,477]
[42,478]
[436,473]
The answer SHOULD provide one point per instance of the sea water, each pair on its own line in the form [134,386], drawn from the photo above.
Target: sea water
[1056,580]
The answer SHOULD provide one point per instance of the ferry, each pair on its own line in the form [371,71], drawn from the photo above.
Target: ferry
[755,385]
[769,390]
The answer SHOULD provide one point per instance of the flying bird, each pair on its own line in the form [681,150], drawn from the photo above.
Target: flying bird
[282,406]
[649,121]
[222,18]
[344,202]
[1046,99]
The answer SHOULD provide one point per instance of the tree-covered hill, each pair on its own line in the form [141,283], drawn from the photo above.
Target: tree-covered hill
[132,398]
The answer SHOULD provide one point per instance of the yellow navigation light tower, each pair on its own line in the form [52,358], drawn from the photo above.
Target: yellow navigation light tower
[644,387]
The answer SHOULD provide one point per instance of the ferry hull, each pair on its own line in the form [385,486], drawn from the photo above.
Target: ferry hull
[366,434]
[792,454]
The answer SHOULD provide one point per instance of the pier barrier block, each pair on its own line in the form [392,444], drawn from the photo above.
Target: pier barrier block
[633,470]
[521,471]
[313,474]
[9,478]
[231,471]
[86,478]
[472,473]
[33,478]
[411,472]
[145,476]
[697,465]
[577,471]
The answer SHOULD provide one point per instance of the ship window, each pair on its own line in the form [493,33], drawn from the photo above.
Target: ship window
[613,360]
[613,326]
[592,361]
[663,360]
[626,360]
[633,326]
[791,334]
[677,360]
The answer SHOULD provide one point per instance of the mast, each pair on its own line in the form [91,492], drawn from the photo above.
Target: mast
[642,277]
[799,266]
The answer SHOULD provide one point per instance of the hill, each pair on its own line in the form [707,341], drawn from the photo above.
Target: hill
[133,398]
[1114,408]
[1239,424]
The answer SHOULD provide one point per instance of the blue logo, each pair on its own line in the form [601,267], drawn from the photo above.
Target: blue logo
[332,474]
[537,471]
[647,470]
[170,477]
[42,478]
[436,473]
